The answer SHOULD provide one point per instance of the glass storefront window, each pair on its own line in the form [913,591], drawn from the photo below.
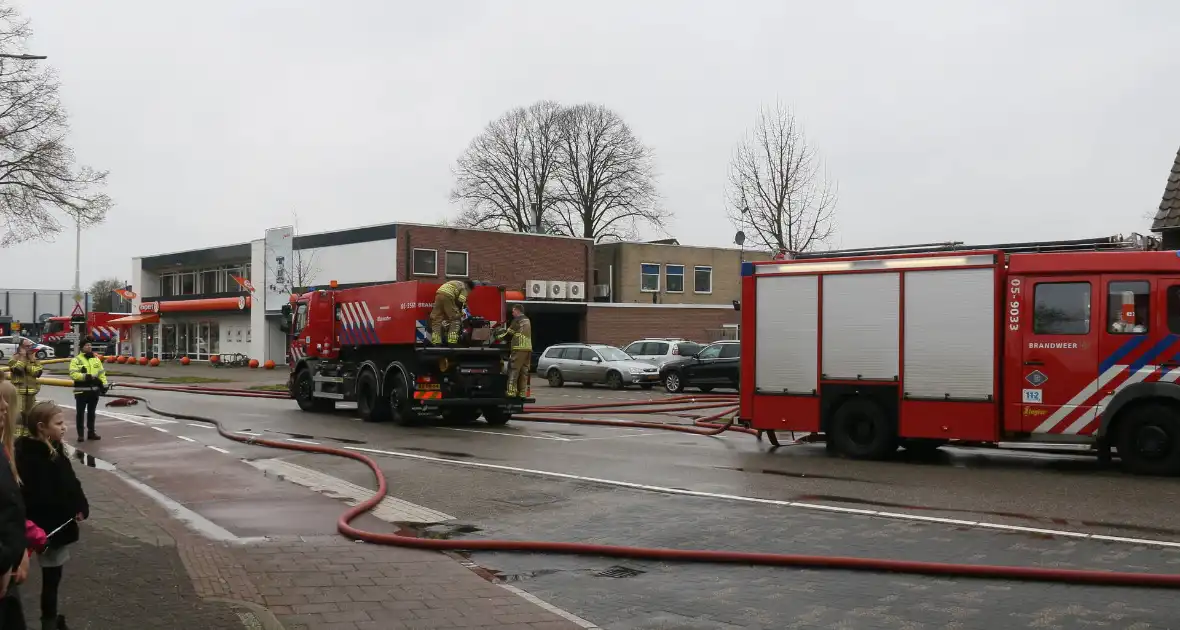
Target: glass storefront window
[168,342]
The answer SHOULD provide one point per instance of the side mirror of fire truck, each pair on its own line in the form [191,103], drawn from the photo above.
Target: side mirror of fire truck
[285,322]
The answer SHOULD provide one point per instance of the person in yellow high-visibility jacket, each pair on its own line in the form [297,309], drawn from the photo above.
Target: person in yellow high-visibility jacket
[25,370]
[90,380]
[521,357]
[447,313]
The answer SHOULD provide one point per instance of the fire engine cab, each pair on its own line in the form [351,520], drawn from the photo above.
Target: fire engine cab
[1070,342]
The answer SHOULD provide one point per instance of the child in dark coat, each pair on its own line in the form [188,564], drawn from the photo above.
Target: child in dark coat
[53,497]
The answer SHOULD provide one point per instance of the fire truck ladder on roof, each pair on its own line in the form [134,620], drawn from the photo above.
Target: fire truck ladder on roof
[1136,242]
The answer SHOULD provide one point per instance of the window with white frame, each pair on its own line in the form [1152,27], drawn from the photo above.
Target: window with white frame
[456,266]
[702,280]
[649,277]
[425,262]
[674,278]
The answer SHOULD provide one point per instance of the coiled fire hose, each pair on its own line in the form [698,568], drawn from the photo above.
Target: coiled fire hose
[344,526]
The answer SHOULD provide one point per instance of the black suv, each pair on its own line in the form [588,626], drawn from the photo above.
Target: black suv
[716,365]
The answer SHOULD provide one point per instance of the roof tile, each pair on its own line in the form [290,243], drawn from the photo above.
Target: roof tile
[1168,215]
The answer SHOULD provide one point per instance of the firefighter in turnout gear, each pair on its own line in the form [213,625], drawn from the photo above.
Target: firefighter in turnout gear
[521,331]
[25,369]
[449,301]
[90,380]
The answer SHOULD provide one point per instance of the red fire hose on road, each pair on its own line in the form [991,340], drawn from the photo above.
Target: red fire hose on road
[1068,576]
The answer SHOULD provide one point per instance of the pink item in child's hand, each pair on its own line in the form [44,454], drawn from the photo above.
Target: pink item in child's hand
[35,535]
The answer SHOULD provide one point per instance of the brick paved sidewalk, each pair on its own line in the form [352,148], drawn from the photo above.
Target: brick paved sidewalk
[137,566]
[126,571]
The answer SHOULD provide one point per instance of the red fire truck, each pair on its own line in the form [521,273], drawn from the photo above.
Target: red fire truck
[105,335]
[1072,342]
[370,345]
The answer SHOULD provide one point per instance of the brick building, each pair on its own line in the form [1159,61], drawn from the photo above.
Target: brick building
[191,303]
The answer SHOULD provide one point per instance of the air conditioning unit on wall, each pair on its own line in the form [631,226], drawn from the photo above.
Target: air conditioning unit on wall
[558,289]
[577,291]
[536,290]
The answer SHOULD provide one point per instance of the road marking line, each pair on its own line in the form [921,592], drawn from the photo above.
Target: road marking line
[390,510]
[302,441]
[775,502]
[202,426]
[516,435]
[160,430]
[186,439]
[564,614]
[219,449]
[246,432]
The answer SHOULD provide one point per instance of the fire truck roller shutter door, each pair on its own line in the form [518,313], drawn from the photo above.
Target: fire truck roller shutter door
[788,335]
[861,326]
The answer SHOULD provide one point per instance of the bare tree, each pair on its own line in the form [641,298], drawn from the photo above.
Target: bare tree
[505,175]
[103,298]
[38,176]
[778,190]
[607,177]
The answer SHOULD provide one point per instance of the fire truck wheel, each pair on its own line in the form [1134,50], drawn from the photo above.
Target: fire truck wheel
[370,404]
[496,417]
[554,378]
[861,430]
[1149,440]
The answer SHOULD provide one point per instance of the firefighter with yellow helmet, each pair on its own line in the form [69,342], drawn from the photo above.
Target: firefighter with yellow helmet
[520,359]
[449,301]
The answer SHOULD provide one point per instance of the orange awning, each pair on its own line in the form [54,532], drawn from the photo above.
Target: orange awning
[206,304]
[135,319]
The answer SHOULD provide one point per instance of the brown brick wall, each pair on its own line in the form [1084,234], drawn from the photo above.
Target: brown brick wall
[619,326]
[506,258]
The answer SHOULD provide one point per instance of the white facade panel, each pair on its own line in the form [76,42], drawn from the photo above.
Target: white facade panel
[787,334]
[950,332]
[375,261]
[281,274]
[861,332]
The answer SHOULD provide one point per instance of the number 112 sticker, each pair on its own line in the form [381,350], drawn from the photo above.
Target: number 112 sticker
[1033,397]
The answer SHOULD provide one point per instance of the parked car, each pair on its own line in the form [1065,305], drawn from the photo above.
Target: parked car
[659,351]
[8,348]
[716,365]
[589,364]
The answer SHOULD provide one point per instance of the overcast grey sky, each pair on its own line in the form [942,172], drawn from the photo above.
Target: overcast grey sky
[968,120]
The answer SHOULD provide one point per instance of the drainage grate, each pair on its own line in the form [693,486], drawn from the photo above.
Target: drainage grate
[618,572]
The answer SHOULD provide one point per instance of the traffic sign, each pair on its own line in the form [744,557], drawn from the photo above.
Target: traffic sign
[15,326]
[78,310]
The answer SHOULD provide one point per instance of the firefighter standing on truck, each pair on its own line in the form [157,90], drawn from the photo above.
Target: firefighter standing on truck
[449,301]
[521,331]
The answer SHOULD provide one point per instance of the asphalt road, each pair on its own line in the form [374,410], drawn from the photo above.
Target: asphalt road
[579,483]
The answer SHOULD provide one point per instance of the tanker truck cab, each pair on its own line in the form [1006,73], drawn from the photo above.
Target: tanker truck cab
[370,345]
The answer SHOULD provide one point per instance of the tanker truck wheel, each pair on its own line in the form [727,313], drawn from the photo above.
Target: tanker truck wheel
[399,402]
[370,404]
[304,386]
[496,417]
